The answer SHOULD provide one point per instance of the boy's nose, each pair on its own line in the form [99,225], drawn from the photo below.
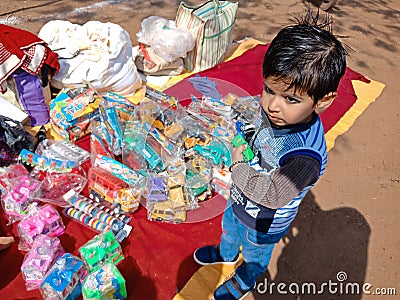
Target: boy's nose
[274,103]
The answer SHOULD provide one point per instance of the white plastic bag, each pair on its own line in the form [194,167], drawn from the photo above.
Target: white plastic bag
[165,38]
[96,52]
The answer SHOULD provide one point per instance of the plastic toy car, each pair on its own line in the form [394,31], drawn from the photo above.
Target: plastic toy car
[216,153]
[140,146]
[177,193]
[163,211]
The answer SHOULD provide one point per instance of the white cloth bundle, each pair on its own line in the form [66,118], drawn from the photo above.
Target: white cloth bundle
[96,52]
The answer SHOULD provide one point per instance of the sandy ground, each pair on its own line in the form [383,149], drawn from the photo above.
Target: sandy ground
[348,224]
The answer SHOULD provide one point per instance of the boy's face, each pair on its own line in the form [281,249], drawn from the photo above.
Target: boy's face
[285,107]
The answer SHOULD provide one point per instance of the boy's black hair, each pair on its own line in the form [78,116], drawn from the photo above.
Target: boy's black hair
[308,58]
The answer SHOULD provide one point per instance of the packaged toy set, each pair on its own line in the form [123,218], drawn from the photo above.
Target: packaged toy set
[45,250]
[104,283]
[64,279]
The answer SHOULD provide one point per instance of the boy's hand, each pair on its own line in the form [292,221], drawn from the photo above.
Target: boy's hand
[237,153]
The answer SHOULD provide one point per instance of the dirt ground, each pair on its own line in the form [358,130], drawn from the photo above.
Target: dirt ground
[348,225]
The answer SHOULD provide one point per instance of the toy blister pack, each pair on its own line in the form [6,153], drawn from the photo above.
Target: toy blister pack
[71,111]
[63,150]
[64,279]
[39,220]
[104,283]
[45,250]
[101,249]
[18,197]
[94,216]
[8,172]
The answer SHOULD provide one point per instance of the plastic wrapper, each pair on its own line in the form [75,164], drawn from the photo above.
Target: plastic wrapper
[11,171]
[116,184]
[40,220]
[64,279]
[95,216]
[71,111]
[101,249]
[45,250]
[63,150]
[165,38]
[104,283]
[18,197]
[54,187]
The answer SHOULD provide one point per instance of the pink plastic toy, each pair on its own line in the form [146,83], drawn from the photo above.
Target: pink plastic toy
[9,172]
[45,250]
[17,198]
[40,220]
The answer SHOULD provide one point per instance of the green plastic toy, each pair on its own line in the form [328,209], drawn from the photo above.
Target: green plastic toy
[238,140]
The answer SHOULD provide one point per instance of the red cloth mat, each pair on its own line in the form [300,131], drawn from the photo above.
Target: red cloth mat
[158,256]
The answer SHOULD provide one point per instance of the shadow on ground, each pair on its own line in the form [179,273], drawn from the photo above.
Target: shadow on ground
[325,249]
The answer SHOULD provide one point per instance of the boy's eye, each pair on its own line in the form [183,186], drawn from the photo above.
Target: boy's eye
[292,100]
[268,90]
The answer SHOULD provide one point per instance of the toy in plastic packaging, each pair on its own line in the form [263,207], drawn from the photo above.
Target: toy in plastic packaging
[92,214]
[222,182]
[71,111]
[101,249]
[64,279]
[42,163]
[116,185]
[54,188]
[18,197]
[164,212]
[104,283]
[39,220]
[8,172]
[45,250]
[247,109]
[217,152]
[63,150]
[157,189]
[142,152]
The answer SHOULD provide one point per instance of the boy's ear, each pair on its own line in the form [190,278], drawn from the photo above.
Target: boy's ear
[325,102]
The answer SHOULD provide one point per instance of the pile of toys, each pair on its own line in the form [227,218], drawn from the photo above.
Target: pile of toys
[159,154]
[167,157]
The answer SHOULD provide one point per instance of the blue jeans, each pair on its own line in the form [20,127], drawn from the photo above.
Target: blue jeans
[256,248]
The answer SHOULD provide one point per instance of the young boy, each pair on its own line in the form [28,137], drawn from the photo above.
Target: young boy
[301,69]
